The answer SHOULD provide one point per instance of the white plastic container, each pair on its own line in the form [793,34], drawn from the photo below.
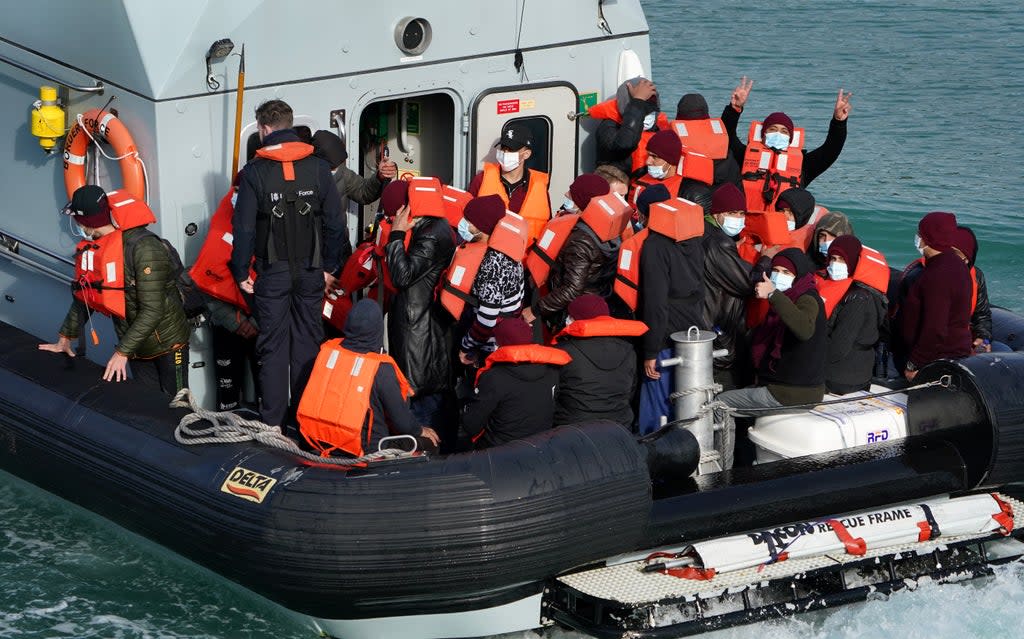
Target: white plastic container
[829,428]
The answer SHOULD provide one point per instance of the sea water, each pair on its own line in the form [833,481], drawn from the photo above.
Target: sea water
[936,125]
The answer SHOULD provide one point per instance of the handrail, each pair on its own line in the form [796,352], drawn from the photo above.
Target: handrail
[11,242]
[10,246]
[97,89]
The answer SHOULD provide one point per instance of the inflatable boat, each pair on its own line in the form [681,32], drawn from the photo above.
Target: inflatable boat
[584,526]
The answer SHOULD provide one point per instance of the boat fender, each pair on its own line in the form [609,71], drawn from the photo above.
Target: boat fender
[671,452]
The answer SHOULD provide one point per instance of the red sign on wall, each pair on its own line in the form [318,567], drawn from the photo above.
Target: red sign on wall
[508,106]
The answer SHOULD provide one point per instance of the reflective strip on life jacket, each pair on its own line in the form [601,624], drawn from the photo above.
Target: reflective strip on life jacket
[334,412]
[426,197]
[677,219]
[525,354]
[536,207]
[455,201]
[707,136]
[542,253]
[603,326]
[128,211]
[210,271]
[766,172]
[99,274]
[627,270]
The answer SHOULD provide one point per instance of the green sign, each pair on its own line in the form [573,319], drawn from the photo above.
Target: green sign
[587,100]
[412,117]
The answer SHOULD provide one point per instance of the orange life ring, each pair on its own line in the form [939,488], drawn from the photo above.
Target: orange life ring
[108,126]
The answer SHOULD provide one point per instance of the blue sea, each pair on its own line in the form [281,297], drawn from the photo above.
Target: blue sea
[936,125]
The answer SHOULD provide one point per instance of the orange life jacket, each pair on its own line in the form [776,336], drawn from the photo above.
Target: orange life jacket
[603,326]
[802,237]
[609,110]
[286,153]
[334,412]
[606,215]
[974,290]
[872,270]
[764,166]
[509,237]
[691,166]
[426,198]
[99,264]
[768,228]
[678,219]
[525,354]
[707,136]
[536,207]
[455,201]
[210,271]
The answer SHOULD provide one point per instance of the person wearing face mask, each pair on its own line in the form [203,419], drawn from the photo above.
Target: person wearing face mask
[773,158]
[523,191]
[665,158]
[124,271]
[801,215]
[418,250]
[935,315]
[790,346]
[352,186]
[856,310]
[828,228]
[730,283]
[598,383]
[627,121]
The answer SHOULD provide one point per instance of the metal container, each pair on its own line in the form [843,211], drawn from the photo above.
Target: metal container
[694,387]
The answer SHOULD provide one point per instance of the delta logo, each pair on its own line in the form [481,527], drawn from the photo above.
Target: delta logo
[247,484]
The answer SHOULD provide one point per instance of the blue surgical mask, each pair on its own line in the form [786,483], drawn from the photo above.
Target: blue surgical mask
[733,225]
[782,281]
[656,171]
[791,225]
[464,231]
[838,271]
[823,247]
[569,205]
[776,140]
[650,119]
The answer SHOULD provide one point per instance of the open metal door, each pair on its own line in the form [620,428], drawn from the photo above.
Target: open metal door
[545,108]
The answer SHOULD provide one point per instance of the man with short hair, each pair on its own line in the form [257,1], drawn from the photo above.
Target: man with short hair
[289,216]
[523,191]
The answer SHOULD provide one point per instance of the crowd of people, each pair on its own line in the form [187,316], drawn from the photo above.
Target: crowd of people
[505,318]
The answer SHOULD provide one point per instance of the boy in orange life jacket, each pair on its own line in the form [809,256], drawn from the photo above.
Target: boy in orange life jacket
[523,191]
[856,322]
[598,383]
[141,297]
[585,264]
[515,390]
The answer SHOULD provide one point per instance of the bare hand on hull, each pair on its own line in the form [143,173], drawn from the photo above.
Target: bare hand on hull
[117,368]
[62,345]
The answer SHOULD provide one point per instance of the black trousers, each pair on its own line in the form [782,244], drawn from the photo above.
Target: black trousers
[288,307]
[167,373]
[232,354]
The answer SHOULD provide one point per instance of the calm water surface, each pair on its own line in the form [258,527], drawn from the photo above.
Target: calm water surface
[936,125]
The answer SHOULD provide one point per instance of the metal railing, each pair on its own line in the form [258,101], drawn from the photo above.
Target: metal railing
[97,88]
[11,246]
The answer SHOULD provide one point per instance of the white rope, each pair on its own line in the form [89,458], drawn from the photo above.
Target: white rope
[145,173]
[230,428]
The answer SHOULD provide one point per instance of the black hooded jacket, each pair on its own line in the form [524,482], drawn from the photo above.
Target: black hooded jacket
[856,325]
[729,284]
[671,290]
[419,330]
[364,333]
[598,383]
[511,401]
[616,142]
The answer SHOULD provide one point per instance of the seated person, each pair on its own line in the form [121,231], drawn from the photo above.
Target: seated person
[966,245]
[798,207]
[789,347]
[515,390]
[598,383]
[855,324]
[829,227]
[617,180]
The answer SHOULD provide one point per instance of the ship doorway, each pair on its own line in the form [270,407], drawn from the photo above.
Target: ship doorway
[417,132]
[547,110]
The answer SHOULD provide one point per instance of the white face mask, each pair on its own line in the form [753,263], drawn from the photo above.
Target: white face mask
[918,245]
[656,171]
[838,271]
[464,231]
[776,140]
[509,160]
[650,119]
[782,281]
[823,247]
[791,225]
[733,225]
[569,205]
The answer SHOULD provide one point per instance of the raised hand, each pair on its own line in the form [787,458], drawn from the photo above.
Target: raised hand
[741,93]
[764,288]
[642,89]
[842,105]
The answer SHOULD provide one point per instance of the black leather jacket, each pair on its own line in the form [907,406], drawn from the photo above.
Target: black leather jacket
[728,286]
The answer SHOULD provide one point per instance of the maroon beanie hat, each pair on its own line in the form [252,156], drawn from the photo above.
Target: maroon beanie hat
[847,247]
[965,240]
[666,145]
[485,212]
[585,187]
[587,307]
[937,230]
[728,198]
[513,331]
[89,206]
[778,118]
[394,197]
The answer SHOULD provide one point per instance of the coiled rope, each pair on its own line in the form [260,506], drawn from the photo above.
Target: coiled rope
[230,428]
